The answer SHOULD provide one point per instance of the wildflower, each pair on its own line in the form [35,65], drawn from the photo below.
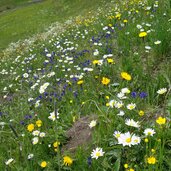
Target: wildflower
[92,123]
[118,16]
[143,34]
[118,105]
[121,95]
[117,134]
[80,82]
[131,122]
[135,140]
[153,150]
[127,139]
[39,123]
[97,62]
[125,90]
[25,75]
[42,134]
[53,116]
[133,94]
[162,91]
[112,103]
[141,112]
[157,42]
[107,97]
[30,127]
[121,113]
[126,166]
[43,88]
[67,160]
[98,152]
[126,76]
[151,160]
[161,120]
[131,169]
[56,144]
[149,132]
[9,161]
[43,164]
[105,81]
[110,61]
[143,95]
[131,106]
[125,21]
[35,140]
[36,133]
[146,140]
[30,156]
[89,161]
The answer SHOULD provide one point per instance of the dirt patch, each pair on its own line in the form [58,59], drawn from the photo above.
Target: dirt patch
[79,134]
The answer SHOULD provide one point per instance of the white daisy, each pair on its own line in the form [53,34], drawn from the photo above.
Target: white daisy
[54,116]
[162,91]
[131,122]
[98,152]
[149,132]
[131,106]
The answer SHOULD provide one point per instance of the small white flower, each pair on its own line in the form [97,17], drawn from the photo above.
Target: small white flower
[9,161]
[96,52]
[125,90]
[42,134]
[149,132]
[35,140]
[117,134]
[112,103]
[162,91]
[118,105]
[53,117]
[121,113]
[30,156]
[131,122]
[121,95]
[92,123]
[131,106]
[25,75]
[157,42]
[147,47]
[127,139]
[36,133]
[98,152]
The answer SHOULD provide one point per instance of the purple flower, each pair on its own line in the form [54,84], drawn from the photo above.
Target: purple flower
[89,161]
[143,95]
[133,94]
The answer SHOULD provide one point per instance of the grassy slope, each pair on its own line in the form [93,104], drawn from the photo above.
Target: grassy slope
[147,76]
[26,21]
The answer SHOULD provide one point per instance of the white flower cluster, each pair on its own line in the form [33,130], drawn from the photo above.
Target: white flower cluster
[43,88]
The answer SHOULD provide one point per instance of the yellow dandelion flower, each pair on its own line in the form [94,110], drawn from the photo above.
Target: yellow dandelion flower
[39,123]
[80,82]
[125,166]
[56,144]
[105,81]
[161,120]
[126,76]
[141,113]
[110,61]
[43,164]
[151,160]
[30,127]
[143,34]
[67,160]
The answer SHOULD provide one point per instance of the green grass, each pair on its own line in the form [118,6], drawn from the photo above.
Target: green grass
[28,20]
[76,89]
